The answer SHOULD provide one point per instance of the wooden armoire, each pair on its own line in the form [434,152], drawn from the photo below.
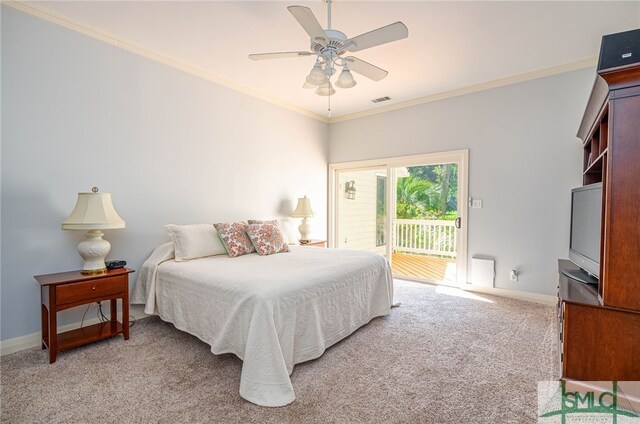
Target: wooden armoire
[599,326]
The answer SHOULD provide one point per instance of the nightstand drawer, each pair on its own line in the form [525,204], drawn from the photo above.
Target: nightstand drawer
[85,291]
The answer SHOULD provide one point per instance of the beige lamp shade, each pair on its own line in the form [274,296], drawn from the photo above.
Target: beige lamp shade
[93,211]
[303,210]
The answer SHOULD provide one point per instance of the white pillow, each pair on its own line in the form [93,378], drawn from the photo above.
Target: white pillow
[195,241]
[290,233]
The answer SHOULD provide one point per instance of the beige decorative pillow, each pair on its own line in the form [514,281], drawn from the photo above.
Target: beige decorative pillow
[267,238]
[235,239]
[194,241]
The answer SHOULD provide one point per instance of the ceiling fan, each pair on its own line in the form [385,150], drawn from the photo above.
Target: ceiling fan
[330,46]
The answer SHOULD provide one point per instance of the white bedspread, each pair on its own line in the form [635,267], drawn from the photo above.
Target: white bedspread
[271,311]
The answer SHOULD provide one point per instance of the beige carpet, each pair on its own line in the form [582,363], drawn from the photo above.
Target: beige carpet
[439,358]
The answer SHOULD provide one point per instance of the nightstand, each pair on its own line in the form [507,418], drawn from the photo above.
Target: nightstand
[65,290]
[316,243]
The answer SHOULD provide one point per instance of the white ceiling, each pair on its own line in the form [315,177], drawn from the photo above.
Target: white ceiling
[451,45]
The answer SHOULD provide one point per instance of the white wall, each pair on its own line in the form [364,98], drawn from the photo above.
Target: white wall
[524,159]
[170,147]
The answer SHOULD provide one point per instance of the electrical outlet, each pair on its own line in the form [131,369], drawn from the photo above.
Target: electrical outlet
[513,275]
[476,203]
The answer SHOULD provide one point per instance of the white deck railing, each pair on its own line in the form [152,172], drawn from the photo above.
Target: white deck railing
[425,236]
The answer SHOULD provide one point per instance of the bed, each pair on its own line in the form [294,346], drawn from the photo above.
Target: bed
[271,311]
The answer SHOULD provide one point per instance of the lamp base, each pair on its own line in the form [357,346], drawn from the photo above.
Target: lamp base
[93,271]
[305,231]
[93,250]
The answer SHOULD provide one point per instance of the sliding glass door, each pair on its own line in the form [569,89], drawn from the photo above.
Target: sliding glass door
[424,231]
[410,209]
[361,212]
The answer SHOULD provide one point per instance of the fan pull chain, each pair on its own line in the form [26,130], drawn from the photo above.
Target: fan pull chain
[329,101]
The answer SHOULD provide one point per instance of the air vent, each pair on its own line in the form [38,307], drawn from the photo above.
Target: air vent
[381,99]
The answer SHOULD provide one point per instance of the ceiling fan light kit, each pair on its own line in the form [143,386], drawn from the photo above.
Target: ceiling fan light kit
[346,80]
[317,76]
[329,45]
[325,90]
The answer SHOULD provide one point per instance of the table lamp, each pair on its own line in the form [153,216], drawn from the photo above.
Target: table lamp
[93,212]
[303,210]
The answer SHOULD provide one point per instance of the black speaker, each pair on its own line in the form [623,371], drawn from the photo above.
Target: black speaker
[619,49]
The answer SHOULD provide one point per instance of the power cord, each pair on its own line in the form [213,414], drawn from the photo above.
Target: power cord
[85,314]
[100,314]
[103,318]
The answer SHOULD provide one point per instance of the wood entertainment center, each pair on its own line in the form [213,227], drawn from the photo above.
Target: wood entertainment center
[599,327]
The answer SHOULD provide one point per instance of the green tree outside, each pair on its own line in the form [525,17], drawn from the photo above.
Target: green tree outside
[428,192]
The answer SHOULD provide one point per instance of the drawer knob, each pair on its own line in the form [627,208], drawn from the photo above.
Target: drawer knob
[93,288]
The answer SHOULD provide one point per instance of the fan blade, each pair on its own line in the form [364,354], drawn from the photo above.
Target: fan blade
[365,68]
[309,23]
[279,55]
[386,34]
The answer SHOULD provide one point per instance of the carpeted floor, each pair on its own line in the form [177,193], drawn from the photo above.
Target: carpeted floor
[439,358]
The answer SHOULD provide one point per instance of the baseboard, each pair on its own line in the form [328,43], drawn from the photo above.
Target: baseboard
[544,299]
[513,294]
[33,340]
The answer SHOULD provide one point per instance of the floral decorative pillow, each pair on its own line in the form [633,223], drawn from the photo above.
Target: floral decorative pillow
[258,221]
[288,232]
[235,239]
[267,238]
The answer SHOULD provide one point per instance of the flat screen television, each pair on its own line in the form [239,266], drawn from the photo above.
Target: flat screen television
[584,244]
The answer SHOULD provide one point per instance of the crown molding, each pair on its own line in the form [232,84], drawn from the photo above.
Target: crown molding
[210,76]
[157,57]
[527,76]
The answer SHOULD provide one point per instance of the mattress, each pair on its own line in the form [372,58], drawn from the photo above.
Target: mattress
[271,311]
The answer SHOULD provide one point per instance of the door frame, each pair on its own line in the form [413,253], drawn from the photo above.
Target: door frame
[458,156]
